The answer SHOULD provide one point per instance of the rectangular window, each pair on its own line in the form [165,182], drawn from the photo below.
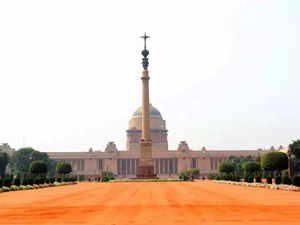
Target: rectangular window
[156,166]
[176,166]
[161,166]
[123,166]
[166,166]
[81,165]
[194,163]
[100,166]
[137,166]
[133,166]
[171,166]
[119,166]
[216,164]
[128,166]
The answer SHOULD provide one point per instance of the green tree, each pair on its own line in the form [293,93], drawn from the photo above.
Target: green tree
[51,167]
[295,148]
[3,163]
[38,168]
[107,176]
[23,157]
[250,168]
[238,163]
[226,167]
[63,168]
[274,161]
[185,175]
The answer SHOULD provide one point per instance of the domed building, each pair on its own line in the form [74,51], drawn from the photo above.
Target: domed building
[167,163]
[159,133]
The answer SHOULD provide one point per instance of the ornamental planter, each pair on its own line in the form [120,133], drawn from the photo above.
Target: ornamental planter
[264,181]
[273,181]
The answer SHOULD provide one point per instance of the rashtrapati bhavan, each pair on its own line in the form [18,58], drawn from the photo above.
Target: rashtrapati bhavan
[147,135]
[167,163]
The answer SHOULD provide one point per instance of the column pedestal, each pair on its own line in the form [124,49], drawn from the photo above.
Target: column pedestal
[146,168]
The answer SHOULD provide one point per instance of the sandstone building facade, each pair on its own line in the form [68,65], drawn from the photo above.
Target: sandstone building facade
[167,163]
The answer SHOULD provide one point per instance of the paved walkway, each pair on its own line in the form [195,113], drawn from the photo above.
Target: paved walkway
[150,203]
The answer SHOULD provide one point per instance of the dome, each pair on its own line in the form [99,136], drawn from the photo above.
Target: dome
[153,112]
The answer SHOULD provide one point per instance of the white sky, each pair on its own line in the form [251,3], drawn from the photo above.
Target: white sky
[224,74]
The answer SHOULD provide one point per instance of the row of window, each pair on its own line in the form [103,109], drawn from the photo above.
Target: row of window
[161,166]
[130,166]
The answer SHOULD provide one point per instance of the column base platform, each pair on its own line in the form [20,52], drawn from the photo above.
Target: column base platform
[146,172]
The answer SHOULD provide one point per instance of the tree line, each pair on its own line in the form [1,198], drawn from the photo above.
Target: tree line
[272,165]
[29,166]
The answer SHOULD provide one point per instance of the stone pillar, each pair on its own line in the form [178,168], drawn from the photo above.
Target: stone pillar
[146,143]
[146,167]
[145,107]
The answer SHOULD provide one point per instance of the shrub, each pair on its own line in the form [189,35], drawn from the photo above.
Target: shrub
[212,176]
[277,180]
[274,161]
[47,181]
[30,181]
[7,182]
[25,182]
[237,178]
[183,175]
[63,168]
[22,187]
[81,177]
[58,179]
[17,182]
[250,168]
[295,148]
[51,180]
[42,180]
[37,181]
[5,189]
[14,188]
[258,179]
[248,179]
[286,180]
[38,167]
[296,181]
[107,176]
[66,179]
[226,168]
[269,180]
[75,179]
[1,183]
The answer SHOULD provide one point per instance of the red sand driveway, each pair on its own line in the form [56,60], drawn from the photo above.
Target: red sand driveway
[150,203]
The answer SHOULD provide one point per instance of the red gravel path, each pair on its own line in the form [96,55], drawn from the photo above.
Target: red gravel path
[150,203]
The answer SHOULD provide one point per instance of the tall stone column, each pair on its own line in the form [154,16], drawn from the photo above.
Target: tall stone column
[146,167]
